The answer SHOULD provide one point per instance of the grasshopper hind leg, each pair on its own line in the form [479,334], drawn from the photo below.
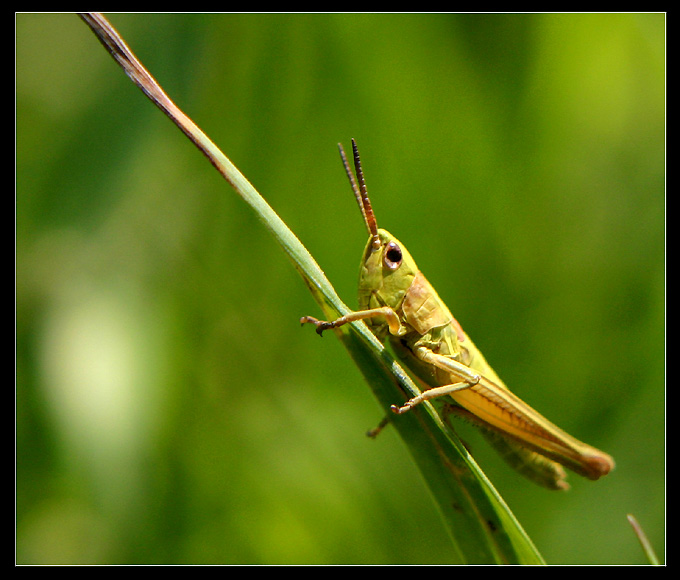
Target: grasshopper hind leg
[539,469]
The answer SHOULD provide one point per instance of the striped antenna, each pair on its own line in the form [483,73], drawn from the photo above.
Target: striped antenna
[360,192]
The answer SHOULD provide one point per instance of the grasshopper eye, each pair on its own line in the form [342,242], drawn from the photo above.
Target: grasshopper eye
[392,256]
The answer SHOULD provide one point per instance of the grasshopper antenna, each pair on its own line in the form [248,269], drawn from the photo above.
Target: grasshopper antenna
[360,192]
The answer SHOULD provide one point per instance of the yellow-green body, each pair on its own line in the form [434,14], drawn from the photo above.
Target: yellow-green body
[401,307]
[427,323]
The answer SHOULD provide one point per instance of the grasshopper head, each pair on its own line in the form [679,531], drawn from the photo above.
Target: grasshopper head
[387,272]
[387,269]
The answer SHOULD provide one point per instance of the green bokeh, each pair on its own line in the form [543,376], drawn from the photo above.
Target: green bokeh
[169,407]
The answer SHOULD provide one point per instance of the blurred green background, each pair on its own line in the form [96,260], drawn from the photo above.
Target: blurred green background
[170,409]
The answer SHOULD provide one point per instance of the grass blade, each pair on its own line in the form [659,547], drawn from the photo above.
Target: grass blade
[483,529]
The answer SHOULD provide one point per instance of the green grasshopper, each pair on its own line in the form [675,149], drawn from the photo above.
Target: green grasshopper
[399,304]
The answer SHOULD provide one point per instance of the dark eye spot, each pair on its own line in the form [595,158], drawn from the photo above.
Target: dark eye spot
[392,257]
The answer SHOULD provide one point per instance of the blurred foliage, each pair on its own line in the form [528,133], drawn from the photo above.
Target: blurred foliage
[169,408]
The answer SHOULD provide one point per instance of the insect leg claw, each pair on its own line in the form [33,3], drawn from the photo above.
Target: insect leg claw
[320,325]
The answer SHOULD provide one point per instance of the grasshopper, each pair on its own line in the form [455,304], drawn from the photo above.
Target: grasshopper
[399,305]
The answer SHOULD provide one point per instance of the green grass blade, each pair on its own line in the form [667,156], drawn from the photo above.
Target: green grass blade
[649,552]
[482,528]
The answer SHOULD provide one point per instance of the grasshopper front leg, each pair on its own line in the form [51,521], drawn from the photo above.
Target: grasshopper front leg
[390,316]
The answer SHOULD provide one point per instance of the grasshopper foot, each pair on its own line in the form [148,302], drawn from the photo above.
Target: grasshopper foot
[399,410]
[373,433]
[320,325]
